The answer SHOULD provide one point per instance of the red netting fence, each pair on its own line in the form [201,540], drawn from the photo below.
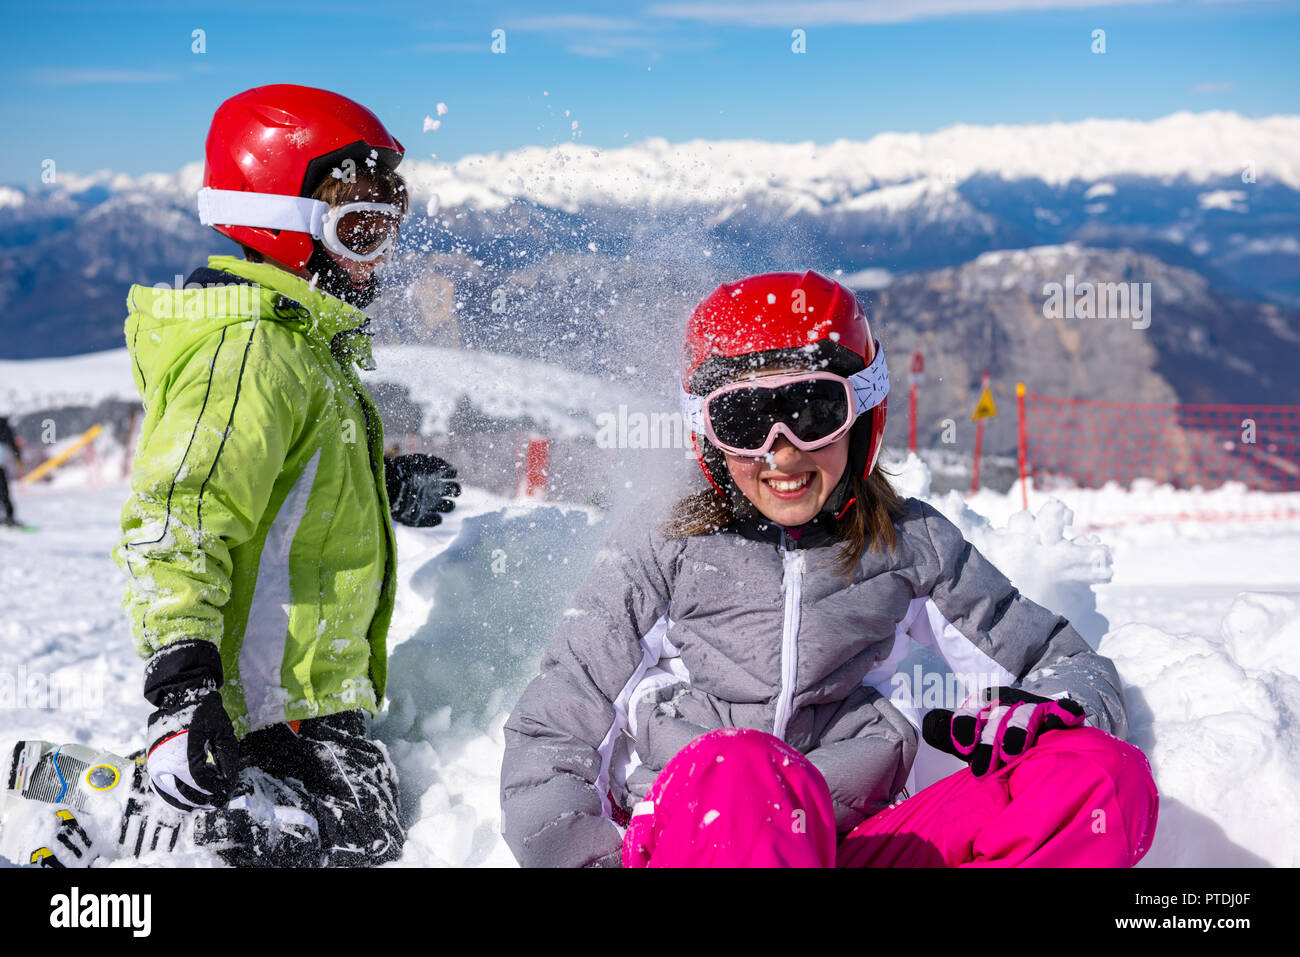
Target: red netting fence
[1086,443]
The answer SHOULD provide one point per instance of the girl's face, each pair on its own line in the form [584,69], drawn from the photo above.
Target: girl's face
[787,485]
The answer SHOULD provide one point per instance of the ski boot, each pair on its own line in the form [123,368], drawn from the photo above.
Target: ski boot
[67,805]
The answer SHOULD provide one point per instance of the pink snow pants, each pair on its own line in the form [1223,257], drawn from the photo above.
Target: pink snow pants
[742,798]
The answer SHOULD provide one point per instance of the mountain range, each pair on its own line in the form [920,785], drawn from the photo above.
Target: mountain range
[592,258]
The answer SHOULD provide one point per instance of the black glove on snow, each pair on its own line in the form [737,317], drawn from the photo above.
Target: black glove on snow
[193,754]
[997,726]
[420,488]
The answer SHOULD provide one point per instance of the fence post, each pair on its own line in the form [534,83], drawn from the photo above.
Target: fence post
[1022,442]
[917,373]
[979,415]
[536,461]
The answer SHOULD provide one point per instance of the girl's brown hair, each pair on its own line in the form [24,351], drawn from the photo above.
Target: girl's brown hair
[867,524]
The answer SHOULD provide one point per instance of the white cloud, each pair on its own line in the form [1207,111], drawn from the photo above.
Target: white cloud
[601,36]
[453,47]
[67,76]
[827,12]
[575,21]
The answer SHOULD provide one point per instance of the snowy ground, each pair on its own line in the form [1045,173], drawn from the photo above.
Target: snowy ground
[1202,619]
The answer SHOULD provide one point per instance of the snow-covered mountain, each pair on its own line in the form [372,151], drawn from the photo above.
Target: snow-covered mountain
[1214,193]
[1199,148]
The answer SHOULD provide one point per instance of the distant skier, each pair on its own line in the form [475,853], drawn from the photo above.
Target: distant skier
[724,690]
[9,450]
[257,538]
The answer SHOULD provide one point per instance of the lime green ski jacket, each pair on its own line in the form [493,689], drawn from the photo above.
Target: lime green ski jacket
[258,518]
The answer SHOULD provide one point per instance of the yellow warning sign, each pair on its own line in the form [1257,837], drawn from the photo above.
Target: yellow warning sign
[984,408]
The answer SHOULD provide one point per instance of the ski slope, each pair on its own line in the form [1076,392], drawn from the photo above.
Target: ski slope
[1201,618]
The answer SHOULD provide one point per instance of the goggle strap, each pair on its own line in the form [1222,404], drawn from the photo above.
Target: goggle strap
[234,207]
[693,411]
[871,385]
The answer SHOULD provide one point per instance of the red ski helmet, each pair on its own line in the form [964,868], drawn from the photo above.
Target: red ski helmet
[283,140]
[780,319]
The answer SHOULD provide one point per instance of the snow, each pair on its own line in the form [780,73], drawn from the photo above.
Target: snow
[1215,711]
[1279,245]
[936,198]
[873,278]
[1232,200]
[1196,147]
[1035,258]
[563,402]
[1206,637]
[30,385]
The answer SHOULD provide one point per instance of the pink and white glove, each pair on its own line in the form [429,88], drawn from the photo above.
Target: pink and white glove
[997,726]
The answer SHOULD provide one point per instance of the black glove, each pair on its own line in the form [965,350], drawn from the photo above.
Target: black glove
[420,488]
[193,754]
[997,725]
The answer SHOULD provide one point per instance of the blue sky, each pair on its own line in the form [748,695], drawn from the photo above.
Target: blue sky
[118,86]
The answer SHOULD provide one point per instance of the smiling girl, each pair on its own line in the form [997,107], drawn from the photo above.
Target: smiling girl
[720,692]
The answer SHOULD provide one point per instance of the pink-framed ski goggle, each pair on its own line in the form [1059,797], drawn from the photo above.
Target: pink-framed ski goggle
[811,409]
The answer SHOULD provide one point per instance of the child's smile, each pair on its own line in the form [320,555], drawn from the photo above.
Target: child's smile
[790,486]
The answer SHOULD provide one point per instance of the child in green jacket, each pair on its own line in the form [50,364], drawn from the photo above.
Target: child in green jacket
[257,539]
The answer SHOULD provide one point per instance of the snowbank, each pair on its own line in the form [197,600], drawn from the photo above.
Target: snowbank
[1217,715]
[1031,548]
[492,596]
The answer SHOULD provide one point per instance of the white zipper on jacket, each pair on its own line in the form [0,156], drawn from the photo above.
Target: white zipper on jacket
[792,585]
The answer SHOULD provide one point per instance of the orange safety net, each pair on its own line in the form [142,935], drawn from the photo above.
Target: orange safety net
[1086,443]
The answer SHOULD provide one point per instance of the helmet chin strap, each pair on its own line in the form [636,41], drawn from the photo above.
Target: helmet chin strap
[332,278]
[840,494]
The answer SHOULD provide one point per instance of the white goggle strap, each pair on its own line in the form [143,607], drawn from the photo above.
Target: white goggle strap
[233,207]
[871,385]
[330,224]
[693,411]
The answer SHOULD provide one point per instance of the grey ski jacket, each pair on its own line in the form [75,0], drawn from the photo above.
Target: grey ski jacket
[672,637]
